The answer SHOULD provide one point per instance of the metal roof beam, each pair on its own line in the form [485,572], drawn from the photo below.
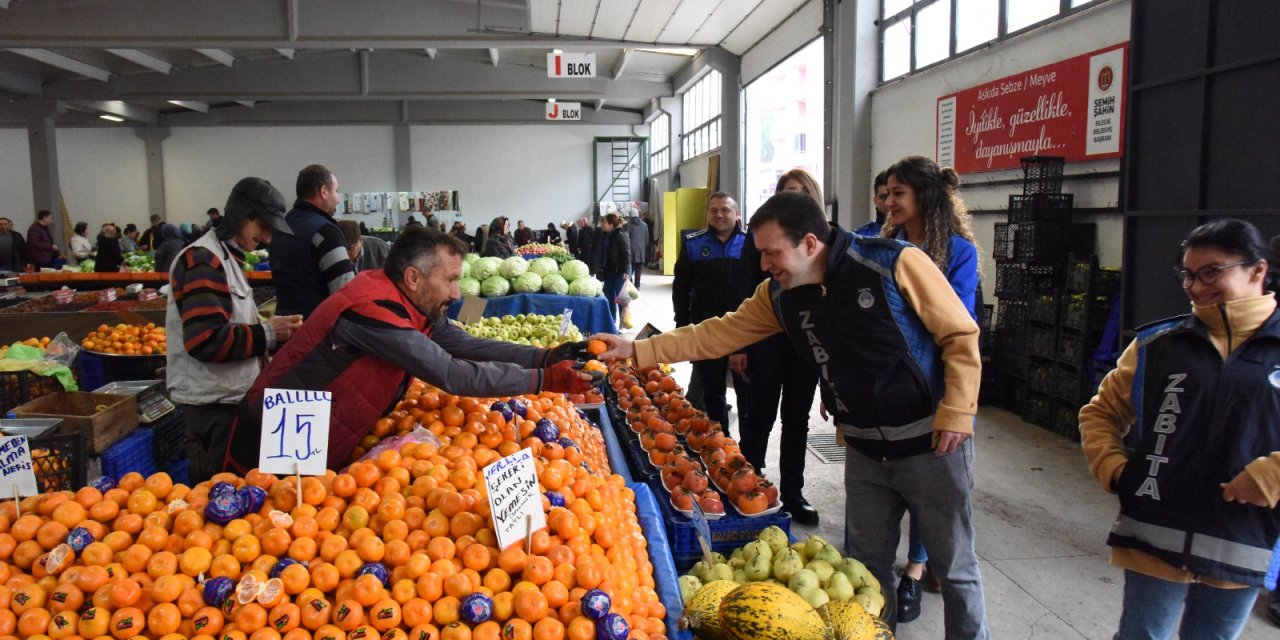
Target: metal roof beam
[432,52]
[493,56]
[419,112]
[388,75]
[65,63]
[219,56]
[142,59]
[622,63]
[288,53]
[193,105]
[18,83]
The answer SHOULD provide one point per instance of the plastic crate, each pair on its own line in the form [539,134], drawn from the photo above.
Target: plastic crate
[1043,309]
[180,471]
[1083,314]
[169,438]
[727,533]
[1011,281]
[1042,342]
[1002,246]
[984,321]
[94,369]
[58,461]
[21,387]
[1071,349]
[131,453]
[1086,277]
[1035,408]
[1042,377]
[1041,207]
[1042,174]
[1064,419]
[1067,386]
[1052,242]
[1011,315]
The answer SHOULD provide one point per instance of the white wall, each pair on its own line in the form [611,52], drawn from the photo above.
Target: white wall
[904,120]
[108,168]
[16,200]
[693,173]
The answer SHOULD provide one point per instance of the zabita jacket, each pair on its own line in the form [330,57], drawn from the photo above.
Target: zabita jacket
[1194,401]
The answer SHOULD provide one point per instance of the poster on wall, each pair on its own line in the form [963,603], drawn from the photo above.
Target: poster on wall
[1073,108]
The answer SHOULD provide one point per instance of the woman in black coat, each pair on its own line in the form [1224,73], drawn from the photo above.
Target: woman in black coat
[110,257]
[612,259]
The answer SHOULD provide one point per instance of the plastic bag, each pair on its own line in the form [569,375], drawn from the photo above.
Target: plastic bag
[419,435]
[53,360]
[62,349]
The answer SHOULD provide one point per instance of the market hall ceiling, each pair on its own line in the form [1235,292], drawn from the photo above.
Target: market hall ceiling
[247,62]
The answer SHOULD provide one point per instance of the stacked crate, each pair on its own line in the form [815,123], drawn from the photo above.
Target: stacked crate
[1032,252]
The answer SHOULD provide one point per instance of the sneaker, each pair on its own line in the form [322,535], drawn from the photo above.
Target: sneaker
[909,596]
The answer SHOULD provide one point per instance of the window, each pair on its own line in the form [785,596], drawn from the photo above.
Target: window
[783,111]
[915,34]
[701,105]
[660,143]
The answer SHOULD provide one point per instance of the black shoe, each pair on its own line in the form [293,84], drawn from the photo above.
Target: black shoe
[801,511]
[909,597]
[1273,608]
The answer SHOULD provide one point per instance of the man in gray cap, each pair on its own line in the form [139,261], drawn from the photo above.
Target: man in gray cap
[216,342]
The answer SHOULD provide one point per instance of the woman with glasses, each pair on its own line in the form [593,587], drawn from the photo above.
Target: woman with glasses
[1186,431]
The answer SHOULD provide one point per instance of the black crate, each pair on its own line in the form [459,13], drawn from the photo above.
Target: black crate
[1036,408]
[1011,316]
[1042,342]
[1067,386]
[1011,281]
[1042,174]
[1043,309]
[1052,242]
[21,387]
[1010,355]
[1002,247]
[1042,279]
[1041,207]
[1064,419]
[59,461]
[1071,348]
[1042,377]
[1084,313]
[1086,277]
[984,321]
[169,441]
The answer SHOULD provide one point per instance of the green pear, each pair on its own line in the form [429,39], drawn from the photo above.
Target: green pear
[758,548]
[787,563]
[689,585]
[822,568]
[870,599]
[864,574]
[851,573]
[758,568]
[828,554]
[740,576]
[798,547]
[720,571]
[839,587]
[803,579]
[702,571]
[815,596]
[775,537]
[812,545]
[716,556]
[737,562]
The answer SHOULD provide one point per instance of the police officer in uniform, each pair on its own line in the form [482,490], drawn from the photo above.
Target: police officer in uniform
[708,284]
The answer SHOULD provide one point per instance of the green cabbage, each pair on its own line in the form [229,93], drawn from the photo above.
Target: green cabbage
[466,268]
[528,282]
[555,283]
[470,257]
[86,265]
[573,270]
[587,286]
[483,268]
[469,286]
[543,266]
[495,286]
[513,267]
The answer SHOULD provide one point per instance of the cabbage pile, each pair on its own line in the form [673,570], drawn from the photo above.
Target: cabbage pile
[492,277]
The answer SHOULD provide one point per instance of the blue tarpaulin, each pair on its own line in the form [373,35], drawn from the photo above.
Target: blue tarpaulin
[590,315]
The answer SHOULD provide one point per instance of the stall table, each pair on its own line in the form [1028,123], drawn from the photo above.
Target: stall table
[590,315]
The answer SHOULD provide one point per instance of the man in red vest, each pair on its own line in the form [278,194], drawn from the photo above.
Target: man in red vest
[366,341]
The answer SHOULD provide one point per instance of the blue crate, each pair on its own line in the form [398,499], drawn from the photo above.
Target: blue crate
[131,453]
[727,533]
[180,471]
[94,370]
[170,441]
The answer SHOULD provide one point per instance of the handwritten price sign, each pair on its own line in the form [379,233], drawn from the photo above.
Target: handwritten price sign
[295,431]
[513,497]
[16,474]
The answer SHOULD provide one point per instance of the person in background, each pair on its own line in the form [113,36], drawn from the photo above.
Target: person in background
[587,237]
[924,210]
[878,199]
[190,232]
[129,240]
[638,234]
[151,237]
[354,241]
[499,243]
[459,231]
[707,284]
[433,222]
[311,263]
[215,218]
[13,249]
[570,237]
[170,244]
[779,378]
[41,249]
[412,223]
[524,235]
[216,340]
[368,340]
[109,258]
[553,234]
[897,353]
[1183,431]
[612,260]
[373,253]
[81,247]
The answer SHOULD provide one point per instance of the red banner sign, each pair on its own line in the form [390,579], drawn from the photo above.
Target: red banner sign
[1073,108]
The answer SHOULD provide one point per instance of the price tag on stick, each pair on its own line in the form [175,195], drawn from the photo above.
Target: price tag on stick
[17,477]
[514,502]
[295,432]
[567,323]
[703,529]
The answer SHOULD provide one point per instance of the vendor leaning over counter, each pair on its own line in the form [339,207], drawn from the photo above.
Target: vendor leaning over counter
[216,341]
[365,341]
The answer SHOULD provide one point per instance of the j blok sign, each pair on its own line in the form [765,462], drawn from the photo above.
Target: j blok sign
[564,110]
[1073,108]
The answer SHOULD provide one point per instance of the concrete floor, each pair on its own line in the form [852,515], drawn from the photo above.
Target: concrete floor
[1041,521]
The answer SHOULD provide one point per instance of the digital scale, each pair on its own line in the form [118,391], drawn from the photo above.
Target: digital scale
[152,403]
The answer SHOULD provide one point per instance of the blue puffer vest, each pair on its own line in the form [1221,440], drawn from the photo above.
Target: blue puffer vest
[300,285]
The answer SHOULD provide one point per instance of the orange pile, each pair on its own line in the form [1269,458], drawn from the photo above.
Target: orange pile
[126,339]
[420,510]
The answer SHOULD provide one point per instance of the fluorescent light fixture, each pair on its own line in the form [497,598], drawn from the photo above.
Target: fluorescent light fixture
[551,100]
[557,51]
[675,51]
[112,118]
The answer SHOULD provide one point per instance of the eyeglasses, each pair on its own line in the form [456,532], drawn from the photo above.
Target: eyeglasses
[1207,275]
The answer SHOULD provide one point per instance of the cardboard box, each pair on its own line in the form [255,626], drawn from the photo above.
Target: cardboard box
[103,418]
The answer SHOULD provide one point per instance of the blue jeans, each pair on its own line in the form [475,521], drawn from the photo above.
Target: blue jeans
[1153,608]
[915,546]
[612,287]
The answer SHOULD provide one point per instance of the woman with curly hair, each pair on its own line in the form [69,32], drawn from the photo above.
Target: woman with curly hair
[924,210]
